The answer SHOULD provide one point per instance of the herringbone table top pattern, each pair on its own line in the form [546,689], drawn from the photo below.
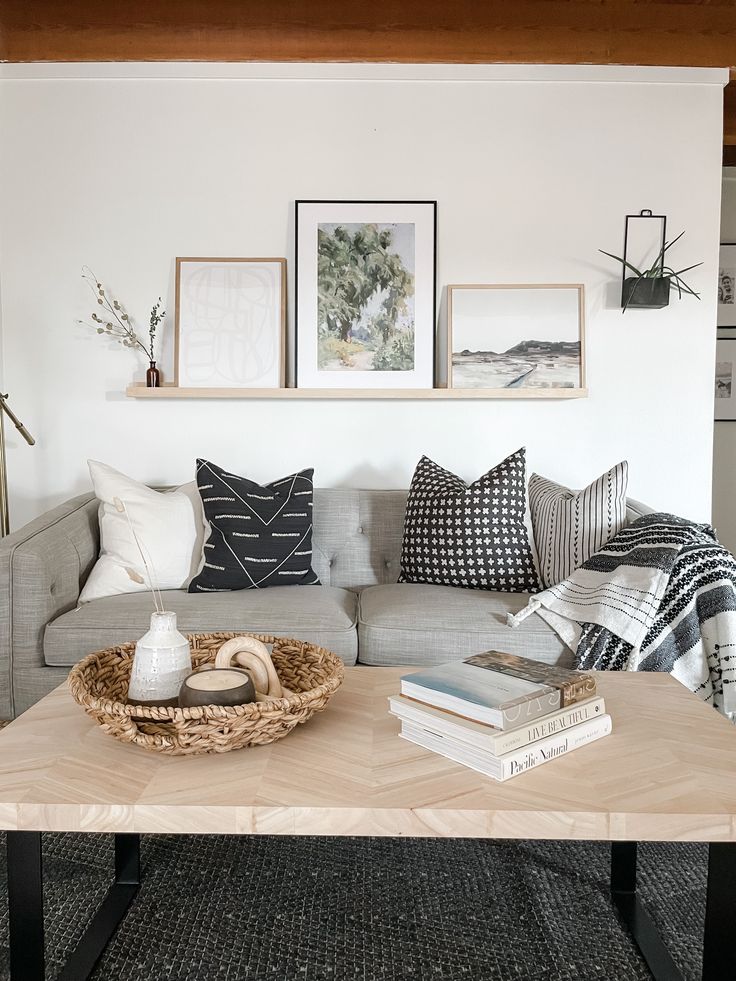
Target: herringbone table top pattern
[668,772]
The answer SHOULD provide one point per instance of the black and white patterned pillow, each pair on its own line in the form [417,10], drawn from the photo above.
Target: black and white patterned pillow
[570,526]
[471,535]
[259,535]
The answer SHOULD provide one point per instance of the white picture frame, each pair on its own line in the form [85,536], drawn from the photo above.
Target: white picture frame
[230,323]
[381,338]
[523,340]
[726,316]
[725,378]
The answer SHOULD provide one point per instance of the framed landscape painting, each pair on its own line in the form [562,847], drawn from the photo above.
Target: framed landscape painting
[725,383]
[727,285]
[366,290]
[230,323]
[517,340]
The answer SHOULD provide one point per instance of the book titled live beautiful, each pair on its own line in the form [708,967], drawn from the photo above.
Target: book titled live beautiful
[497,689]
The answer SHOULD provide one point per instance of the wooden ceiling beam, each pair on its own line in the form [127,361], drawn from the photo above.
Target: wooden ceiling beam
[648,32]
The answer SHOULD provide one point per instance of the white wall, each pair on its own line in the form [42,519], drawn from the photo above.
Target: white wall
[126,167]
[724,444]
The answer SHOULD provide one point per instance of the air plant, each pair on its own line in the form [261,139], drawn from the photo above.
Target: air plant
[114,322]
[657,270]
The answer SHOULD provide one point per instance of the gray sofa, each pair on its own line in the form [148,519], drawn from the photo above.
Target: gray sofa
[360,611]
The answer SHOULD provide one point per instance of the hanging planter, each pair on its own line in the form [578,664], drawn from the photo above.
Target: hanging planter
[649,288]
[646,293]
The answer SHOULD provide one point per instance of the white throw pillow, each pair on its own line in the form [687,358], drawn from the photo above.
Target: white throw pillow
[169,525]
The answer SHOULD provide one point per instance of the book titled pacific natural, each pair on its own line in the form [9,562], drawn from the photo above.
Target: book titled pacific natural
[497,689]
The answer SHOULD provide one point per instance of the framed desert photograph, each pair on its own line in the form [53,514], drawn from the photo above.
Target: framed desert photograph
[230,323]
[366,289]
[727,285]
[725,383]
[517,340]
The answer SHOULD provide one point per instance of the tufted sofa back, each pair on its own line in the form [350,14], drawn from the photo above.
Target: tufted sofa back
[357,535]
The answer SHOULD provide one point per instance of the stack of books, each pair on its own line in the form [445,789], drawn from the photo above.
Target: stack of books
[500,714]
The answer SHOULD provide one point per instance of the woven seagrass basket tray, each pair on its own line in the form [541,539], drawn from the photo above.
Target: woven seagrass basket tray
[99,683]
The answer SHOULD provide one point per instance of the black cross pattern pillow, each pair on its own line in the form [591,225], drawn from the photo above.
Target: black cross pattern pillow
[260,535]
[470,535]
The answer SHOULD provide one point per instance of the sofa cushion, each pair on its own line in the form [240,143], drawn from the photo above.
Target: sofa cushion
[324,615]
[412,623]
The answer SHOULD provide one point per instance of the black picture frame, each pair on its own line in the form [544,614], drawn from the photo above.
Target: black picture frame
[302,203]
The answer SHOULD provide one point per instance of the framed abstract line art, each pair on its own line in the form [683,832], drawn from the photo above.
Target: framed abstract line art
[725,383]
[727,285]
[230,323]
[366,292]
[527,341]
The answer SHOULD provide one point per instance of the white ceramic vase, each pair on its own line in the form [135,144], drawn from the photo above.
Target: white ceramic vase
[161,662]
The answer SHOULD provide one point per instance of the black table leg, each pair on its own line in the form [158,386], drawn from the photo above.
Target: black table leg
[128,859]
[25,893]
[643,930]
[719,951]
[25,905]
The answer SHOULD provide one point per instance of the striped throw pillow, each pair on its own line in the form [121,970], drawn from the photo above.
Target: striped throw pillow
[569,526]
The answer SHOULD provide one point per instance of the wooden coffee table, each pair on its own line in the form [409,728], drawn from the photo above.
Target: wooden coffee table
[668,773]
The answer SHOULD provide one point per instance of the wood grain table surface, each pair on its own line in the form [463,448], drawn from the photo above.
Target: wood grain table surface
[668,772]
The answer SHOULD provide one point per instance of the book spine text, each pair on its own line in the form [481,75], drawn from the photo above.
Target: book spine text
[548,726]
[549,749]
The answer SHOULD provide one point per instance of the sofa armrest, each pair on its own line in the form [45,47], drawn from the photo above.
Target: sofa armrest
[635,509]
[43,567]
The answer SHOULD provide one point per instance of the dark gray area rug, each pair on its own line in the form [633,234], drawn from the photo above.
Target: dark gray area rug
[366,909]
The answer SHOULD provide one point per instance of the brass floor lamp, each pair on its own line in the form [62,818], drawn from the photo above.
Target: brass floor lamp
[4,509]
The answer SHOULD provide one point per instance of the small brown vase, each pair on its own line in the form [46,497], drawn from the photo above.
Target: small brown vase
[153,376]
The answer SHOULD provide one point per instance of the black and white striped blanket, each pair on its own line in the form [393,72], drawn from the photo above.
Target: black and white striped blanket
[660,596]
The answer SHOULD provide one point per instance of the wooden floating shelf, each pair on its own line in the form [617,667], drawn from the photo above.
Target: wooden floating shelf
[173,392]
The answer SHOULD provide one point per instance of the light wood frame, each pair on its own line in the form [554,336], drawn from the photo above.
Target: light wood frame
[549,393]
[282,329]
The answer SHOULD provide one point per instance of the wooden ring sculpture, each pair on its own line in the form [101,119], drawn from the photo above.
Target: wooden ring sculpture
[253,656]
